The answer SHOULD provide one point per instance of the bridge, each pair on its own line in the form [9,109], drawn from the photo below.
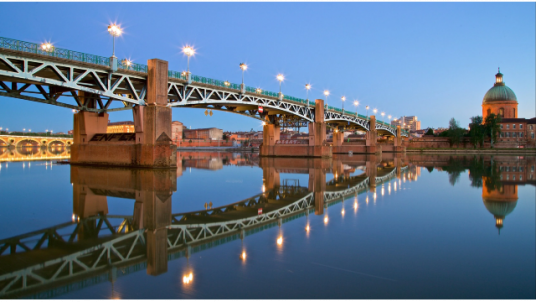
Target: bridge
[97,247]
[23,148]
[97,85]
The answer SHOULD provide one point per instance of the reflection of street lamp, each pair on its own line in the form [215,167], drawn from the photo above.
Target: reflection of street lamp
[115,31]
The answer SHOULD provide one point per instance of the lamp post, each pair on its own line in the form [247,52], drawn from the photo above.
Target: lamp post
[188,51]
[383,114]
[356,103]
[326,93]
[244,67]
[48,47]
[280,78]
[367,109]
[343,98]
[23,131]
[115,31]
[307,87]
[46,132]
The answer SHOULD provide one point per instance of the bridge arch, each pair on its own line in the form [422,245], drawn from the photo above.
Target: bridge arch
[3,142]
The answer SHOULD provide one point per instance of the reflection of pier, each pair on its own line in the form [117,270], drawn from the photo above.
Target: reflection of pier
[96,247]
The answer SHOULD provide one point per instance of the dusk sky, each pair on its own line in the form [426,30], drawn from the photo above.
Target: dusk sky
[432,60]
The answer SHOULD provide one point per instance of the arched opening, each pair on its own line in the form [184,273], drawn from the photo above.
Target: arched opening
[27,147]
[56,147]
[501,112]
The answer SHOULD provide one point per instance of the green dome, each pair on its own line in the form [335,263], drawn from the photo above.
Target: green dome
[500,209]
[499,93]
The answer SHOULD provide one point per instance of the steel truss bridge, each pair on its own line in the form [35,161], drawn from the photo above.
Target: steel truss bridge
[113,246]
[86,82]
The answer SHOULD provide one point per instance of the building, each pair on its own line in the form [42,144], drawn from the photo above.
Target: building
[203,133]
[120,127]
[176,131]
[500,100]
[407,122]
[515,132]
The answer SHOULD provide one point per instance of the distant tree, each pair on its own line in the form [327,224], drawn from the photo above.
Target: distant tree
[492,127]
[455,133]
[430,169]
[429,132]
[477,131]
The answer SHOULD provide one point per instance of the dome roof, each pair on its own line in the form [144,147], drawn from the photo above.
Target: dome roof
[499,91]
[500,209]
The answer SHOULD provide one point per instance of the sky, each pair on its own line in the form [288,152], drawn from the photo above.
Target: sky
[432,60]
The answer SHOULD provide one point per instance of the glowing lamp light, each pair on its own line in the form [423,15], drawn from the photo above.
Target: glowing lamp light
[343,98]
[356,103]
[188,50]
[258,90]
[308,86]
[342,212]
[47,47]
[307,228]
[326,93]
[243,255]
[115,30]
[326,220]
[226,83]
[243,66]
[280,77]
[279,240]
[186,279]
[375,110]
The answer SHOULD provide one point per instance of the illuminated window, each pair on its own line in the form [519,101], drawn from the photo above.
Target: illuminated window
[530,127]
[520,177]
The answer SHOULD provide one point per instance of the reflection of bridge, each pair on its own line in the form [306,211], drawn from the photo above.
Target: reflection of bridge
[22,148]
[96,85]
[96,247]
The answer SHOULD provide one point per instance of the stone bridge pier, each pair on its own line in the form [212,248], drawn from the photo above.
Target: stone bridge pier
[370,146]
[397,145]
[316,146]
[150,146]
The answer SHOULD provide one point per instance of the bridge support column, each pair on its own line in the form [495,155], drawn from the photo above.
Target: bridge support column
[372,137]
[372,171]
[398,141]
[270,179]
[315,148]
[151,147]
[317,184]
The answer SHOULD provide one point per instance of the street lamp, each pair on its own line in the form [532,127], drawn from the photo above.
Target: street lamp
[375,110]
[48,47]
[367,109]
[115,31]
[46,132]
[356,103]
[188,51]
[244,67]
[307,87]
[23,130]
[127,63]
[280,78]
[383,114]
[326,93]
[343,98]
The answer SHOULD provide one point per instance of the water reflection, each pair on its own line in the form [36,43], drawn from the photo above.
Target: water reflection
[95,240]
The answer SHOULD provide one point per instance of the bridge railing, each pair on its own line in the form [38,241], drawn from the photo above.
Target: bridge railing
[127,65]
[54,52]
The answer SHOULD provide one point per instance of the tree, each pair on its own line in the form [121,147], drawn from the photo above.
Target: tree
[477,131]
[492,127]
[455,133]
[429,132]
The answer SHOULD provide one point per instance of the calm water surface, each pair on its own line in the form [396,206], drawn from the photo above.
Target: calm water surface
[231,225]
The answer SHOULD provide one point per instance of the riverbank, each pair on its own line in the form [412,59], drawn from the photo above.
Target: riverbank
[505,151]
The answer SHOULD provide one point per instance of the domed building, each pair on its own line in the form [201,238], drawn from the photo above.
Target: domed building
[500,100]
[515,132]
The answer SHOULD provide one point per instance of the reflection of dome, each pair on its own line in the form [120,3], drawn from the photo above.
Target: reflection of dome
[499,92]
[499,209]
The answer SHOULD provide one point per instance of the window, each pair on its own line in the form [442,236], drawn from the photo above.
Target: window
[489,111]
[501,168]
[513,177]
[507,177]
[520,126]
[515,116]
[520,177]
[530,127]
[507,126]
[501,133]
[514,169]
[520,169]
[520,134]
[513,126]
[507,169]
[532,169]
[501,112]
[532,135]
